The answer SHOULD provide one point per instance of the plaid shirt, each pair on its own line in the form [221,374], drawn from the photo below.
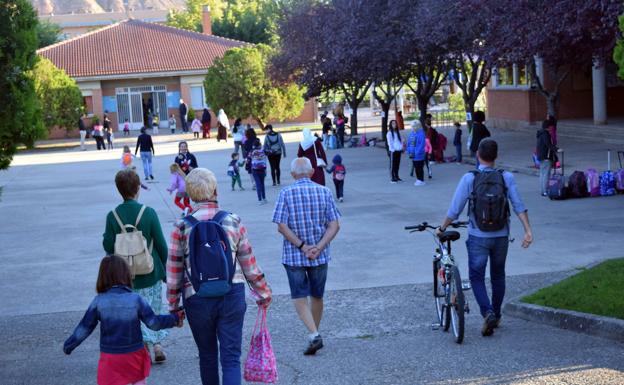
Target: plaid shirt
[306,208]
[246,267]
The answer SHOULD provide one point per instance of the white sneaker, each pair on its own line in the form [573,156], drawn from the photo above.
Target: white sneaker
[340,200]
[419,183]
[186,212]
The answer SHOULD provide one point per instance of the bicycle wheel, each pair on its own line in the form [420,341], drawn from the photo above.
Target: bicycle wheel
[438,292]
[456,307]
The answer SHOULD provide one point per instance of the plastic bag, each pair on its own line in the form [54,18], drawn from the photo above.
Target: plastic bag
[260,364]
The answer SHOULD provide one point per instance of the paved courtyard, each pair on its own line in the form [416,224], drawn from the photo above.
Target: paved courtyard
[53,207]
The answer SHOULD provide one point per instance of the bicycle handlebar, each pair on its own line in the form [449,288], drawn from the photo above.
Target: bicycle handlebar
[423,226]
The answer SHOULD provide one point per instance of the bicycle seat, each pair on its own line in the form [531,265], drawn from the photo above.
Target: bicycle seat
[449,235]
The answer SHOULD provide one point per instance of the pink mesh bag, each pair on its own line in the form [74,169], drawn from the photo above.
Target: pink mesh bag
[260,365]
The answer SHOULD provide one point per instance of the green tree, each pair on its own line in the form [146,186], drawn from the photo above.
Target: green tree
[240,84]
[58,93]
[20,115]
[48,33]
[618,51]
[253,21]
[191,17]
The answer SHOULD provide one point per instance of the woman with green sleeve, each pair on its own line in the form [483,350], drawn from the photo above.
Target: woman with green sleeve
[149,286]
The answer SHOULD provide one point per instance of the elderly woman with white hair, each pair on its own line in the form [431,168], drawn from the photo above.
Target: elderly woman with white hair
[416,151]
[216,323]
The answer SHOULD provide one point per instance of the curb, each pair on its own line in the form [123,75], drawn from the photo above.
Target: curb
[591,324]
[594,325]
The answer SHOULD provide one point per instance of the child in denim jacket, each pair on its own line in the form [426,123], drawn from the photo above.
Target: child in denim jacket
[123,357]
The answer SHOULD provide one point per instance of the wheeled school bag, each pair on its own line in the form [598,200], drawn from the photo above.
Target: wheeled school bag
[593,182]
[132,246]
[607,179]
[577,185]
[556,184]
[210,256]
[619,174]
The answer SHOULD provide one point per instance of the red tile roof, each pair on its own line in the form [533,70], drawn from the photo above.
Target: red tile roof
[134,46]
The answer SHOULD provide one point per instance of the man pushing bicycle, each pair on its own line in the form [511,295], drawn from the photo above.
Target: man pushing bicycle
[488,192]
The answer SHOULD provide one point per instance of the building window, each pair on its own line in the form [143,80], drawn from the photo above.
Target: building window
[198,98]
[511,76]
[87,102]
[505,75]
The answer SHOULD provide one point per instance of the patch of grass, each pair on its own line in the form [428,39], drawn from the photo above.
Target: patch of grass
[599,290]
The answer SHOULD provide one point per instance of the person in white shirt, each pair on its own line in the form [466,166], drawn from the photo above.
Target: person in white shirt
[395,147]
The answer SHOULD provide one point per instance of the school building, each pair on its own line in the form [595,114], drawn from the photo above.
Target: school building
[131,67]
[589,100]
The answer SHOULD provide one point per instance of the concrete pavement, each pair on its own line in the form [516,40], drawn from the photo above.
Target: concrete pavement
[372,336]
[54,204]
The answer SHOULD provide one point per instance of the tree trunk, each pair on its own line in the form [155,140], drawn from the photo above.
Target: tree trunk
[353,120]
[422,107]
[469,106]
[385,107]
[551,104]
[260,122]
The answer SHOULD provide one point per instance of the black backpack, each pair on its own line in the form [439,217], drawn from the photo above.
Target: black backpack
[488,200]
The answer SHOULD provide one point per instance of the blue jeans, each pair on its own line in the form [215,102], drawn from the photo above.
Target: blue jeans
[479,250]
[259,178]
[146,159]
[217,327]
[458,150]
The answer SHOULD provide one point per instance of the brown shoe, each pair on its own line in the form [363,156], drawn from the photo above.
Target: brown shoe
[159,354]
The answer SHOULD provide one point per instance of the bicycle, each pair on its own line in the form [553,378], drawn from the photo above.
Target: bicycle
[448,290]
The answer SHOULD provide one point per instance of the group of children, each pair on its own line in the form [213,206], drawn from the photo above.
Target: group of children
[256,164]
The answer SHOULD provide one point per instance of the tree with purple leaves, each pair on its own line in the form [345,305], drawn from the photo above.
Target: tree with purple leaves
[553,38]
[425,49]
[327,46]
[468,38]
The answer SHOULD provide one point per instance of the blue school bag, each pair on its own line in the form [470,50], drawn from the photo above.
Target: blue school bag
[210,256]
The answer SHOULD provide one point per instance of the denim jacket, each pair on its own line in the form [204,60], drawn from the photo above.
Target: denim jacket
[120,311]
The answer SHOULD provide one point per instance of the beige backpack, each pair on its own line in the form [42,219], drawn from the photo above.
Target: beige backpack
[132,246]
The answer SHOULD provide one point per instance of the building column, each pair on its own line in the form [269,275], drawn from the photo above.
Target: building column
[599,90]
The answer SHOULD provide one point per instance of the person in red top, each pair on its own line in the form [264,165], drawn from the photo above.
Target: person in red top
[311,147]
[216,323]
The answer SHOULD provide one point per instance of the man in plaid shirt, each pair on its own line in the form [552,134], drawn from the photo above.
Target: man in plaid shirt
[307,217]
[221,318]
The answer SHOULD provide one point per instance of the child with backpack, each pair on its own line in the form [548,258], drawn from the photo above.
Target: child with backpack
[274,148]
[108,134]
[338,172]
[234,171]
[177,183]
[172,123]
[428,156]
[457,142]
[257,159]
[123,357]
[126,158]
[155,124]
[126,128]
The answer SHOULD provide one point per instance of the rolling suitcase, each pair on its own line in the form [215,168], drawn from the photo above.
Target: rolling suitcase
[556,184]
[607,179]
[619,174]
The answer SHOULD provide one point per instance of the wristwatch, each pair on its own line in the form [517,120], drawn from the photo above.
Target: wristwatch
[301,245]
